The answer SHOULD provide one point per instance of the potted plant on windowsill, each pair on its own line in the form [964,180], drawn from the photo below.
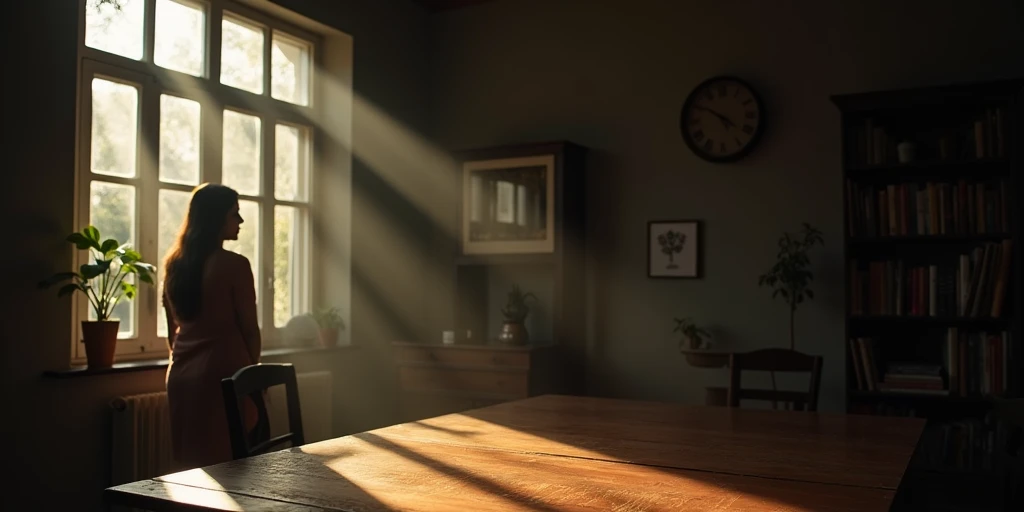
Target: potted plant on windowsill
[105,283]
[330,324]
[513,331]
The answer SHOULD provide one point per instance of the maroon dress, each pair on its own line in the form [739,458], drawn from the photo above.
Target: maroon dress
[206,350]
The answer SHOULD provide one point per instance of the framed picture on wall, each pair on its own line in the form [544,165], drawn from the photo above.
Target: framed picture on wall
[673,249]
[508,205]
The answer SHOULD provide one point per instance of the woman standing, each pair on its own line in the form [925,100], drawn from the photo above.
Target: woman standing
[210,300]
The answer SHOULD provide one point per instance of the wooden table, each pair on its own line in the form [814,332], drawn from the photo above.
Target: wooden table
[567,453]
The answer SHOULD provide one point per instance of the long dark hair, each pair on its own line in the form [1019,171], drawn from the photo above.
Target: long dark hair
[200,235]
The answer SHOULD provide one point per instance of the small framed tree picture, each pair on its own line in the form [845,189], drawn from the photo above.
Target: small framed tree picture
[673,249]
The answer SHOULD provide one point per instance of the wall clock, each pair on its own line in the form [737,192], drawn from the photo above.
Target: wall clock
[722,119]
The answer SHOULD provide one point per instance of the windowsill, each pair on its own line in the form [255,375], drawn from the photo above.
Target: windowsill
[161,364]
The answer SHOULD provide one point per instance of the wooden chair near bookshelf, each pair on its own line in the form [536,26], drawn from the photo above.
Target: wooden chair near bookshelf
[933,258]
[775,360]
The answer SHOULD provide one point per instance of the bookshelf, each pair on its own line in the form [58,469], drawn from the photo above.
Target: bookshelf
[932,186]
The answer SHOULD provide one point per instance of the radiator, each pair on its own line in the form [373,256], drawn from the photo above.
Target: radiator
[141,433]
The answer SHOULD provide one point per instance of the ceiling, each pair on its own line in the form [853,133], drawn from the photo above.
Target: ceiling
[447,5]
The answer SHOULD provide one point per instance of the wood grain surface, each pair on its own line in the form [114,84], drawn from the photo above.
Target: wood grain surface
[369,472]
[566,453]
[860,450]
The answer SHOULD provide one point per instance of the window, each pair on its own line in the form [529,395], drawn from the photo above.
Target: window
[175,93]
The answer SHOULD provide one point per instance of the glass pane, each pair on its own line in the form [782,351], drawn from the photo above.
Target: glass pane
[242,56]
[289,73]
[289,224]
[242,152]
[115,26]
[172,211]
[115,117]
[179,140]
[112,211]
[248,242]
[291,163]
[508,204]
[179,39]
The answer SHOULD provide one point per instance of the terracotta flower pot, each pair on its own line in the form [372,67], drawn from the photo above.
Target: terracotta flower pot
[100,340]
[328,337]
[514,333]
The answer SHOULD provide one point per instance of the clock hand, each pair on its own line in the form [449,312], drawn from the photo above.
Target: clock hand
[725,120]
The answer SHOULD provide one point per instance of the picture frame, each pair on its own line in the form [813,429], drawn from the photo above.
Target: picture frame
[674,249]
[508,205]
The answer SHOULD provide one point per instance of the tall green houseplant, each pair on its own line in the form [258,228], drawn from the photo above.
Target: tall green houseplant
[105,283]
[790,277]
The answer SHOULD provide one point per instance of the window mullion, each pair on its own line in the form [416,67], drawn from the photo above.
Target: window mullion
[147,303]
[211,141]
[302,292]
[268,44]
[213,41]
[149,31]
[267,223]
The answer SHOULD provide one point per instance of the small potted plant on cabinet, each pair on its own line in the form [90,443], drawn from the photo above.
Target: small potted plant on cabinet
[330,324]
[105,283]
[513,331]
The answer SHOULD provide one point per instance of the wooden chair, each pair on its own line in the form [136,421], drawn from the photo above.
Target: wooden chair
[251,382]
[775,360]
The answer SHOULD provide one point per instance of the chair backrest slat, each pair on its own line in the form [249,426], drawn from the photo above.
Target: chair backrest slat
[251,382]
[775,360]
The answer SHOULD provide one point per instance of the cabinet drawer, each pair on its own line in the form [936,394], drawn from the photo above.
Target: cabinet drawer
[465,357]
[512,384]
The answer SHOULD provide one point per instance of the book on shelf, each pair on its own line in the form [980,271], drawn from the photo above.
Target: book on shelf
[959,208]
[964,445]
[871,142]
[973,364]
[971,285]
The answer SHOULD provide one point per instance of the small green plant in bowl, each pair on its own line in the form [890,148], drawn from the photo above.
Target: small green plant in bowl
[693,337]
[330,323]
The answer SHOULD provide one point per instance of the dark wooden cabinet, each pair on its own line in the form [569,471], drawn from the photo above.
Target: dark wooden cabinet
[439,379]
[555,274]
[520,223]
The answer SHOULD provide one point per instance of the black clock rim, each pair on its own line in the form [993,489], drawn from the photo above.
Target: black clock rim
[754,139]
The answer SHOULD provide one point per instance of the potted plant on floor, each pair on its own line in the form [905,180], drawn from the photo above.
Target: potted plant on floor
[513,331]
[105,283]
[790,277]
[330,324]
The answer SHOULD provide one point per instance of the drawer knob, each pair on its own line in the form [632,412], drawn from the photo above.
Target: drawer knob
[498,360]
[432,356]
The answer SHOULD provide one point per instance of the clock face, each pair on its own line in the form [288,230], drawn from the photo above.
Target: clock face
[722,119]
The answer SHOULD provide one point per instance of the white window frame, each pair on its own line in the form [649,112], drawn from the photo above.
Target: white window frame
[213,97]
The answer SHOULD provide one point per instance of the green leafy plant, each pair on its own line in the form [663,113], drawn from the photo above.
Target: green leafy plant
[516,308]
[690,333]
[790,277]
[328,318]
[103,280]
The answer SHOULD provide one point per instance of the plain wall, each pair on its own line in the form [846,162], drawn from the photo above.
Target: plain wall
[56,432]
[613,75]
